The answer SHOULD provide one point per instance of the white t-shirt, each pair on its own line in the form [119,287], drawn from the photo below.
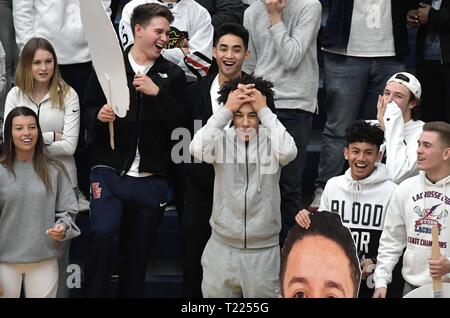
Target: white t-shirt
[134,170]
[214,93]
[371,31]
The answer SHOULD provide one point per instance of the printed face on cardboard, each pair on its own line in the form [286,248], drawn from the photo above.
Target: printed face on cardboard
[318,268]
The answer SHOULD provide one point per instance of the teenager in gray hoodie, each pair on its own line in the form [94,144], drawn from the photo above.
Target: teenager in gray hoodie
[37,210]
[242,257]
[283,49]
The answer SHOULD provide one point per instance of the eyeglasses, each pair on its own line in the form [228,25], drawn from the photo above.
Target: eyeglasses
[402,77]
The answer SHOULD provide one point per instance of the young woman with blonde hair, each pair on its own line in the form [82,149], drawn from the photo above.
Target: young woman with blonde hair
[40,87]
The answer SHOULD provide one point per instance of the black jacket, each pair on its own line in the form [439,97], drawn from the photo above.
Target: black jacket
[223,11]
[201,174]
[440,20]
[337,30]
[149,121]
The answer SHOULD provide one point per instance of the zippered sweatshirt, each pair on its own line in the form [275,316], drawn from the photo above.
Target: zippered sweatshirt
[416,205]
[362,205]
[401,144]
[53,119]
[246,203]
[59,21]
[27,211]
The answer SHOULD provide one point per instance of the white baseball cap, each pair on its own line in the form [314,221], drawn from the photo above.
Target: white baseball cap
[409,81]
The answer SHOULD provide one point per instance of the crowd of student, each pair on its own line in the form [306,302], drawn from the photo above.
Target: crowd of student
[256,106]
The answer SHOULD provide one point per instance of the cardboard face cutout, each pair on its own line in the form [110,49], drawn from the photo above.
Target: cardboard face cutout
[106,55]
[320,261]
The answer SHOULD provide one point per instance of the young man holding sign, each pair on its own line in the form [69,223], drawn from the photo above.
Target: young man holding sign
[128,184]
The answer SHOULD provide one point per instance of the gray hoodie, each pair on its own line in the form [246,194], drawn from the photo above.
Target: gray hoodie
[27,211]
[246,203]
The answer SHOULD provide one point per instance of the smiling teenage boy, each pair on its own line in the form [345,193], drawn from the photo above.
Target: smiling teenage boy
[128,184]
[230,51]
[242,257]
[417,204]
[360,196]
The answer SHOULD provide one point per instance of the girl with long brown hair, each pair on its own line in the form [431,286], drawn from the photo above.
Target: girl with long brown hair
[41,88]
[37,210]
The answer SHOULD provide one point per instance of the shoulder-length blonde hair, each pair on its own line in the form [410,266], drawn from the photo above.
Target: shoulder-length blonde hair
[58,88]
[41,161]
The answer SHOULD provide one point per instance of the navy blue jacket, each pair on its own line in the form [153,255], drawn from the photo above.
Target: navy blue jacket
[337,30]
[440,20]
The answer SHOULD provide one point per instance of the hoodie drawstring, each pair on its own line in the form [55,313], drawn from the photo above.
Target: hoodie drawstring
[355,189]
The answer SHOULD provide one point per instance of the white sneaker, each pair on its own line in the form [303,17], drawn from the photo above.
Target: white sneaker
[83,203]
[314,206]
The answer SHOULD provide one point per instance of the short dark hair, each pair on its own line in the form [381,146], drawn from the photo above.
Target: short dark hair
[144,13]
[362,131]
[234,29]
[416,112]
[265,87]
[329,225]
[441,128]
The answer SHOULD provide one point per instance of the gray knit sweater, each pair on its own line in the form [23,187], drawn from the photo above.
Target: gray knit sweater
[286,53]
[27,211]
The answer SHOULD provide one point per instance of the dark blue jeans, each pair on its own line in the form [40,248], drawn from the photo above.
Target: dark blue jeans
[126,211]
[298,124]
[352,87]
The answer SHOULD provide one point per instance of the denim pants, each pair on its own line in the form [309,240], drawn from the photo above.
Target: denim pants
[298,124]
[125,212]
[352,86]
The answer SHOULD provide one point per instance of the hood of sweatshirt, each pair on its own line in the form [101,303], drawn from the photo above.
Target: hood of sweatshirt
[379,175]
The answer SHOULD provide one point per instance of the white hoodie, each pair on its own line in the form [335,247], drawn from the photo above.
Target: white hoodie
[58,21]
[401,144]
[362,205]
[415,206]
[190,17]
[51,120]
